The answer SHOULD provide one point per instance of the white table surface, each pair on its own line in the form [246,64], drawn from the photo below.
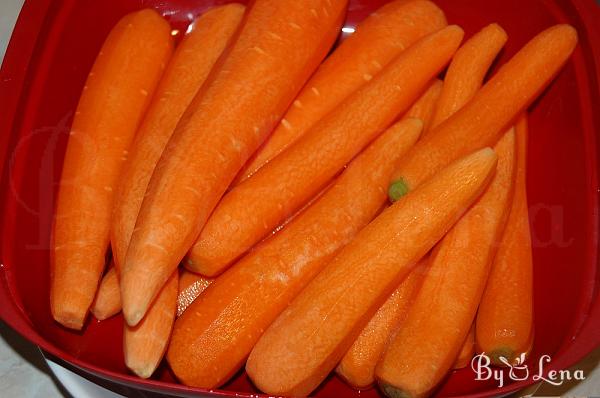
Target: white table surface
[25,374]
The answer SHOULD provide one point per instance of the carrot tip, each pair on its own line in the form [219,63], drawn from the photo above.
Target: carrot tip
[133,318]
[397,189]
[393,392]
[502,356]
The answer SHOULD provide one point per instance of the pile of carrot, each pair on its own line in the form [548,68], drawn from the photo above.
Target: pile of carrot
[263,204]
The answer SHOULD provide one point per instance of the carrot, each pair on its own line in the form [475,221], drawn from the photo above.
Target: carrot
[191,63]
[145,344]
[468,69]
[375,43]
[492,109]
[243,302]
[467,350]
[424,107]
[278,46]
[108,297]
[113,101]
[504,327]
[357,367]
[429,341]
[252,209]
[310,337]
[190,287]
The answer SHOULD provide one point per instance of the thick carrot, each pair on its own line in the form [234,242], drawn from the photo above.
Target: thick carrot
[504,327]
[357,367]
[252,209]
[491,111]
[191,63]
[108,297]
[215,334]
[278,46]
[310,337]
[467,70]
[427,344]
[190,287]
[424,107]
[114,99]
[375,43]
[467,350]
[144,345]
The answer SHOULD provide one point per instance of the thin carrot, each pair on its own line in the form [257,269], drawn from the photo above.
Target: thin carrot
[108,297]
[424,107]
[243,302]
[375,43]
[467,350]
[357,367]
[113,101]
[491,111]
[429,341]
[310,337]
[144,345]
[252,209]
[467,70]
[190,287]
[191,63]
[504,328]
[278,46]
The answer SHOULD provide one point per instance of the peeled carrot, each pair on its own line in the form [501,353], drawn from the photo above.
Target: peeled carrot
[492,109]
[108,297]
[429,341]
[504,328]
[468,69]
[467,350]
[145,344]
[252,209]
[310,337]
[375,43]
[424,107]
[191,63]
[114,99]
[216,333]
[278,46]
[357,367]
[190,287]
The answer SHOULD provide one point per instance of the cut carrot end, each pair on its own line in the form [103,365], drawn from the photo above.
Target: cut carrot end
[502,356]
[397,189]
[393,392]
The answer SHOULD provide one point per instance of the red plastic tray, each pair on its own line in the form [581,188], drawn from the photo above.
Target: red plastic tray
[52,49]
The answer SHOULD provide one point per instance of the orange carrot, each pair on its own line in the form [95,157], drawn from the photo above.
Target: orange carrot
[145,344]
[310,337]
[278,46]
[252,209]
[492,109]
[190,65]
[424,107]
[467,70]
[467,350]
[429,341]
[108,297]
[190,287]
[357,367]
[375,43]
[243,302]
[114,99]
[504,328]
